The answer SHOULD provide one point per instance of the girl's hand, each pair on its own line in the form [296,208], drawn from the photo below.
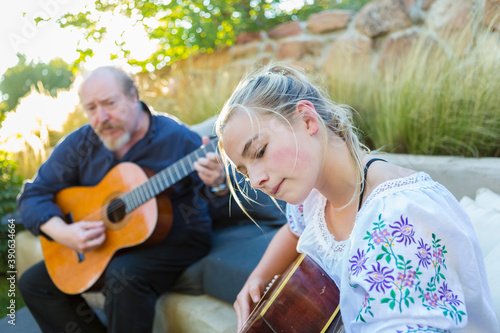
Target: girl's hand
[248,297]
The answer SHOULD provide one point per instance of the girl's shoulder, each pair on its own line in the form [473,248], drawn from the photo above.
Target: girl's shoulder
[417,197]
[383,172]
[384,178]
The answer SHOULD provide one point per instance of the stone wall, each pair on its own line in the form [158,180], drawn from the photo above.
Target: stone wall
[377,36]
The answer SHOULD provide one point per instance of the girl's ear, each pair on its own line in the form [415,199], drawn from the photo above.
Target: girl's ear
[308,115]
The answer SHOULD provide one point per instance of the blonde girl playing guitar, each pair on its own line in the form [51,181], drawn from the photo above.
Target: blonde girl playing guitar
[397,244]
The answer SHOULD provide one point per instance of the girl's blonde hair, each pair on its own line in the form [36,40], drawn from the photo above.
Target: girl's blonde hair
[275,90]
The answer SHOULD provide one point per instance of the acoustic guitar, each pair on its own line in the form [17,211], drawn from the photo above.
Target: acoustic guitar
[303,299]
[134,208]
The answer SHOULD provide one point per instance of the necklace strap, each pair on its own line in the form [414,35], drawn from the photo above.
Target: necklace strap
[364,179]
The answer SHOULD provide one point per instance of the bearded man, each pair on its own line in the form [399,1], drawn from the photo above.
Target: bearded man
[121,129]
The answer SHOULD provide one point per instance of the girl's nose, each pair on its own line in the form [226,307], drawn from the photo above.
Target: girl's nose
[258,178]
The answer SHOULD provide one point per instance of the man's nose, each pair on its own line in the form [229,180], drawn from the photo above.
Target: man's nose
[101,114]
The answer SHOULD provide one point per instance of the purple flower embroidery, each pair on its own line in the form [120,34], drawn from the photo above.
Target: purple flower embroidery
[377,238]
[380,278]
[365,302]
[431,299]
[403,231]
[447,296]
[424,253]
[358,262]
[438,256]
[406,280]
[384,233]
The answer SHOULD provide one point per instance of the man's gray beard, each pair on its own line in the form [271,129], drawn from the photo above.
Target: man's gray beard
[116,144]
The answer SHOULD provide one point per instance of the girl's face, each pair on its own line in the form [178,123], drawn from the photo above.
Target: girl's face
[281,160]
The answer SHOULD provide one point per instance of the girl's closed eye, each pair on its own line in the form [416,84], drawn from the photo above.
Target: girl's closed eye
[261,152]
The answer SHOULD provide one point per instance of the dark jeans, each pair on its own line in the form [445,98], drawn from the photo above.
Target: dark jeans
[133,282]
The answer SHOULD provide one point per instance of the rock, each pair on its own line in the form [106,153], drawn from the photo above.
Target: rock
[492,14]
[298,49]
[382,16]
[449,15]
[285,30]
[248,37]
[350,49]
[328,20]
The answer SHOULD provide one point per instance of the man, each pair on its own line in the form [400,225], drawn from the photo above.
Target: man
[121,128]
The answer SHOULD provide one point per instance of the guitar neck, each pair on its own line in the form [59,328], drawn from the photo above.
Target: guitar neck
[165,178]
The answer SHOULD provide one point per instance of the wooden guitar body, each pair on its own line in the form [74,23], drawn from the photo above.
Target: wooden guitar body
[74,273]
[303,299]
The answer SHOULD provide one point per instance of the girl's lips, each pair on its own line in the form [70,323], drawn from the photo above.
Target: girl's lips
[277,188]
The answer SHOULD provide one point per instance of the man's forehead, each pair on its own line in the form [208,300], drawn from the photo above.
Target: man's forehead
[100,89]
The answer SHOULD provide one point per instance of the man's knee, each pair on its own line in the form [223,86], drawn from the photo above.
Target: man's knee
[31,279]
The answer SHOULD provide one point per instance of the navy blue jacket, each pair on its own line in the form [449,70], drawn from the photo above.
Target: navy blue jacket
[82,160]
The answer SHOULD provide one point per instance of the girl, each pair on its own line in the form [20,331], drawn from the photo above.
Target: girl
[397,244]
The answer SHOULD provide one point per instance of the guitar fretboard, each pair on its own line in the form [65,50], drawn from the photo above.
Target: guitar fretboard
[165,178]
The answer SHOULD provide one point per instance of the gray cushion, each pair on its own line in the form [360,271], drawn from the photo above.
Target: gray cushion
[236,250]
[229,264]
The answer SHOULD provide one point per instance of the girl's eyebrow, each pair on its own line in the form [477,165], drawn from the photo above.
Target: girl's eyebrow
[248,144]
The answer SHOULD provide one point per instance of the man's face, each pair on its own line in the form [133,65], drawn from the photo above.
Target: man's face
[111,113]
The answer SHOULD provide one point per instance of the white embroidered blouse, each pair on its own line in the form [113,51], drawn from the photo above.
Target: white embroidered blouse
[411,264]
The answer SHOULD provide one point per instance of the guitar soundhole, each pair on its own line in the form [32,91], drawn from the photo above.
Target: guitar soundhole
[116,210]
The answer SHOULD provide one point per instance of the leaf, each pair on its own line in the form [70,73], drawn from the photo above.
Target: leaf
[393,294]
[392,304]
[388,259]
[385,300]
[380,256]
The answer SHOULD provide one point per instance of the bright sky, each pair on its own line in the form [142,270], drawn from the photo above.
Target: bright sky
[42,42]
[45,41]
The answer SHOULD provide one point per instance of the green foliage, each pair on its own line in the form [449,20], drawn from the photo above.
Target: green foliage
[10,185]
[432,102]
[18,80]
[184,27]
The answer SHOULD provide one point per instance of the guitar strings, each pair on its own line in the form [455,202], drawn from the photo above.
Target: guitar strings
[138,193]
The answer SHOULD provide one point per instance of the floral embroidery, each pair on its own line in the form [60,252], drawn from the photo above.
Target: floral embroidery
[365,308]
[300,207]
[420,328]
[424,254]
[380,278]
[398,284]
[297,229]
[403,231]
[358,262]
